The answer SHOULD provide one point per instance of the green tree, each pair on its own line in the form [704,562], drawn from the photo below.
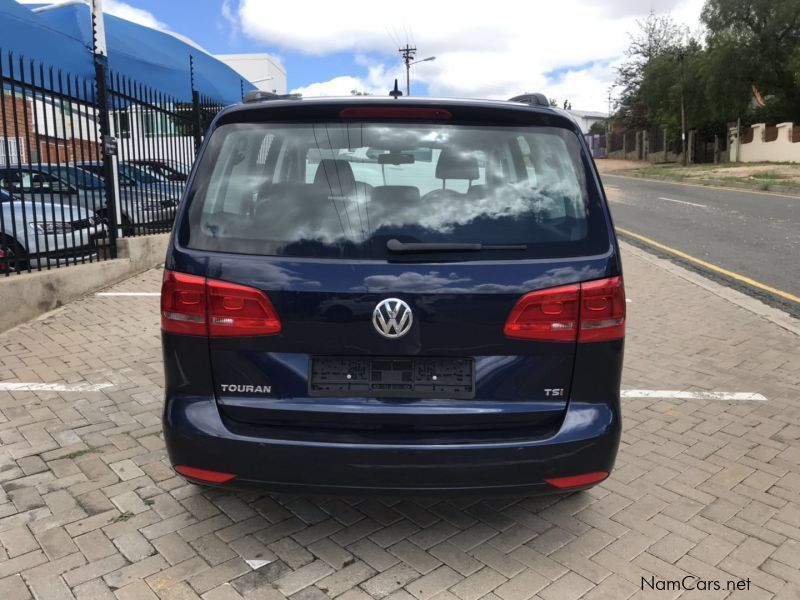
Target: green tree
[657,35]
[753,43]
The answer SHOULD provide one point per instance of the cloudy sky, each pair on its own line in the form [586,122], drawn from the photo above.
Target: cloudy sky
[565,48]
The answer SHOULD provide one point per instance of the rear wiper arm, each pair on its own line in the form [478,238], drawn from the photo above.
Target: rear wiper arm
[397,246]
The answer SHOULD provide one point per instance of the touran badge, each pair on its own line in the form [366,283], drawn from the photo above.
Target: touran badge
[392,318]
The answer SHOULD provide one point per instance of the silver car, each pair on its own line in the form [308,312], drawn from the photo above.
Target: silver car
[35,235]
[139,205]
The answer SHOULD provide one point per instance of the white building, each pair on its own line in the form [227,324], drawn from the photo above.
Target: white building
[586,118]
[261,70]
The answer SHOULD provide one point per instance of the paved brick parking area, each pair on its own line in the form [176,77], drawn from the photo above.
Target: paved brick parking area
[89,507]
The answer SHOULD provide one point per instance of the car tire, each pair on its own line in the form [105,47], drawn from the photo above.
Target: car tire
[12,255]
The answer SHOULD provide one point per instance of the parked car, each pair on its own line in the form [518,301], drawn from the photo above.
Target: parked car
[137,207]
[169,169]
[449,325]
[33,234]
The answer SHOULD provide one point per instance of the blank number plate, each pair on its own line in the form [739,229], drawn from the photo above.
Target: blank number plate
[392,377]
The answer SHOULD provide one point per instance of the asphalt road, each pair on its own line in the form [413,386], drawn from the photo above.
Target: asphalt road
[754,235]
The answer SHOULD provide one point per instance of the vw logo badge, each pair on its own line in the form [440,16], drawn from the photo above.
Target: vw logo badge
[392,318]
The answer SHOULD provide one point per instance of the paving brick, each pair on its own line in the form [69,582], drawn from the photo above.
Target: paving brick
[345,578]
[429,585]
[133,546]
[13,587]
[219,574]
[390,580]
[478,584]
[522,586]
[303,577]
[94,569]
[138,590]
[135,572]
[258,583]
[95,545]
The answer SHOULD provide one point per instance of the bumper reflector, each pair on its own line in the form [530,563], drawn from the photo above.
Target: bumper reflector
[204,474]
[577,480]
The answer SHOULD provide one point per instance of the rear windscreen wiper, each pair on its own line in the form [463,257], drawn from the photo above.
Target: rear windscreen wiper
[398,246]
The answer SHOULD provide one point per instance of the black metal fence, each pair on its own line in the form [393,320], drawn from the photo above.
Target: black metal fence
[57,207]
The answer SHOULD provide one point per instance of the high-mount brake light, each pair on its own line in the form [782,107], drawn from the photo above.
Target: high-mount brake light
[395,112]
[592,311]
[194,305]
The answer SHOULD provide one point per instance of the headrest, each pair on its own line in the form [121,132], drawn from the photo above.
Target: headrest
[395,193]
[454,164]
[337,175]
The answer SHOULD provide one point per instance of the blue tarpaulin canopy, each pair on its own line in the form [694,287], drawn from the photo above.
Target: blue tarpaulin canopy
[62,38]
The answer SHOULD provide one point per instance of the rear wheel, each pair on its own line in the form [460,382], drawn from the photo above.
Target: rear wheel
[12,255]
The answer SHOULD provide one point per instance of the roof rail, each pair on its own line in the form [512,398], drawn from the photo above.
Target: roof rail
[536,99]
[263,96]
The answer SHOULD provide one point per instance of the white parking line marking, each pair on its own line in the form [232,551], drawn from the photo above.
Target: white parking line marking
[14,386]
[256,563]
[682,202]
[611,187]
[128,294]
[675,394]
[628,300]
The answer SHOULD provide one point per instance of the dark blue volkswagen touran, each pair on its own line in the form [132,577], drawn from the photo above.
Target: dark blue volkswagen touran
[393,295]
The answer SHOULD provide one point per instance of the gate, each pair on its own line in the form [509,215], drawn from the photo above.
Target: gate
[56,208]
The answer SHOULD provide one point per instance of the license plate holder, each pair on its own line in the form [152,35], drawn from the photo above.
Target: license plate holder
[392,376]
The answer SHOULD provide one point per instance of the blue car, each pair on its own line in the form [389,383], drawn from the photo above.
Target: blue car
[383,295]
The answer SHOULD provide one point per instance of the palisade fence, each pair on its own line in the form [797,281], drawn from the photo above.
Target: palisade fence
[56,209]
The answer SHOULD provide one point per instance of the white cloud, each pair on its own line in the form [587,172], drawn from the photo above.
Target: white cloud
[131,13]
[491,50]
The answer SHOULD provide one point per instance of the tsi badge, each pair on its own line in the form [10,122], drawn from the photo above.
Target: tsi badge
[557,392]
[392,318]
[246,389]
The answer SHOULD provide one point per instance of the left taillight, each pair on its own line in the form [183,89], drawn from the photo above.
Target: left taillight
[194,305]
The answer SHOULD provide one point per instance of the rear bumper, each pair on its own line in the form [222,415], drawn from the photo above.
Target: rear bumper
[197,436]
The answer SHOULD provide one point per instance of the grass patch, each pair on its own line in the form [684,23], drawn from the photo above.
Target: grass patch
[78,453]
[768,175]
[148,501]
[123,517]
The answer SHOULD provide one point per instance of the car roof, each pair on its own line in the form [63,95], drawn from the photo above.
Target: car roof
[515,111]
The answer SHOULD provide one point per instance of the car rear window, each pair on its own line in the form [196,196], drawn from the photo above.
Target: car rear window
[330,190]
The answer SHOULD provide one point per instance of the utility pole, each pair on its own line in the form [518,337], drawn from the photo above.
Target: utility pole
[408,54]
[681,57]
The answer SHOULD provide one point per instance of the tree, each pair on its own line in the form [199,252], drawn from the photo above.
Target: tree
[598,127]
[754,43]
[657,35]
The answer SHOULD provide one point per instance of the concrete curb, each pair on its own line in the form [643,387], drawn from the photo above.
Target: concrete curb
[774,315]
[29,295]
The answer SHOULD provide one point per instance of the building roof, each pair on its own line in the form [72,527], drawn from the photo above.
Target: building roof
[62,38]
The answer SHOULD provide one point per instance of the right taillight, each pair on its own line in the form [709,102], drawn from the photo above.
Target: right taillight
[194,305]
[588,312]
[550,314]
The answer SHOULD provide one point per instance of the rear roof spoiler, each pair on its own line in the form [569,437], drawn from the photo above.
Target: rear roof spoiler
[536,99]
[263,96]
